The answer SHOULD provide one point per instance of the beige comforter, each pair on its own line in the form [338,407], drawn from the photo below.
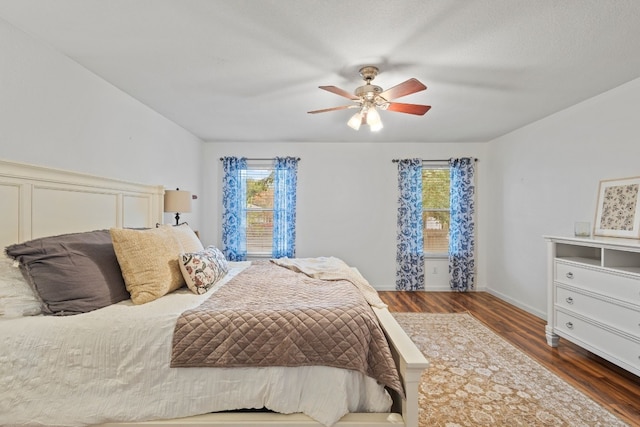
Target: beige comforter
[332,268]
[273,316]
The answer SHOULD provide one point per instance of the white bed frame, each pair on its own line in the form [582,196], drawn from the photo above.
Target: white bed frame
[38,201]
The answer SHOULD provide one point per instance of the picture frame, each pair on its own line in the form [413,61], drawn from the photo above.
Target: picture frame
[618,208]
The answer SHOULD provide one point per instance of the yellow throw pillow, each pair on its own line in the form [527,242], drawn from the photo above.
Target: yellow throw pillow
[186,236]
[149,262]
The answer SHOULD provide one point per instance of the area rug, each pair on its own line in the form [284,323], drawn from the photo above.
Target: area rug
[476,378]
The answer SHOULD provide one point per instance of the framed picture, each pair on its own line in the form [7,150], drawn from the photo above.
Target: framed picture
[618,210]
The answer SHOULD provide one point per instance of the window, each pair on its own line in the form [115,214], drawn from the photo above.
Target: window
[435,208]
[259,208]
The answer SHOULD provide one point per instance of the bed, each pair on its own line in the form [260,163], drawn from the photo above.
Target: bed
[111,366]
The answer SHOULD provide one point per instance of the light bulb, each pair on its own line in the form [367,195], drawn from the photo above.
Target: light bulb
[376,127]
[355,121]
[373,120]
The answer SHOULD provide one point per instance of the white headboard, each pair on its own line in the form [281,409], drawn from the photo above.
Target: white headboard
[38,201]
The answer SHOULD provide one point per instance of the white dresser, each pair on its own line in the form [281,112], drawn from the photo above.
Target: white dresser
[594,296]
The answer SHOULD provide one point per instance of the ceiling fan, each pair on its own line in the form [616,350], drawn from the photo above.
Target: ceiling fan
[371,98]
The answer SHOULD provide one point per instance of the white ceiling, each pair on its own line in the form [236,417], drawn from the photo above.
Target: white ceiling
[248,70]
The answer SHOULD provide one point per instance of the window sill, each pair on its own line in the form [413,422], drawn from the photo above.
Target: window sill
[261,255]
[436,256]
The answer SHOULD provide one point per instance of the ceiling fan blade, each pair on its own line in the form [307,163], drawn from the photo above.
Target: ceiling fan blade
[418,110]
[342,107]
[340,92]
[405,88]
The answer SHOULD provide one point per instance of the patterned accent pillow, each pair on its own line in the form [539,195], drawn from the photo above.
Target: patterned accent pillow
[201,270]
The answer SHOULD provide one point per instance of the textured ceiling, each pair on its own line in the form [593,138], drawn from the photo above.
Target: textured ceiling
[248,70]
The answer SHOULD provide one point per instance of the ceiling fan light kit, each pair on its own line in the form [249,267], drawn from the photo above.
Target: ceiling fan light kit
[371,98]
[366,116]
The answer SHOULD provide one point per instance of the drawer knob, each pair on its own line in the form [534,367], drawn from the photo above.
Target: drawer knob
[569,275]
[569,325]
[569,300]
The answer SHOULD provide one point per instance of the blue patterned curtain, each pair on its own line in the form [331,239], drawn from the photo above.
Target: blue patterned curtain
[462,239]
[410,248]
[284,207]
[234,200]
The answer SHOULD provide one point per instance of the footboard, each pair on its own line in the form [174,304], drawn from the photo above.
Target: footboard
[410,362]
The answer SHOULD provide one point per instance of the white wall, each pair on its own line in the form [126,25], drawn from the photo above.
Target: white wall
[537,180]
[544,177]
[347,199]
[55,113]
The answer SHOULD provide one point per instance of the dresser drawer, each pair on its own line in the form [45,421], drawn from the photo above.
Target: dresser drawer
[617,315]
[607,344]
[603,281]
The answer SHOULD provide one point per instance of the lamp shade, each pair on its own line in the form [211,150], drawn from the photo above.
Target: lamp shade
[373,119]
[355,121]
[177,201]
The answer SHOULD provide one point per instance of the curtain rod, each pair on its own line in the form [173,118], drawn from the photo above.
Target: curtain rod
[434,160]
[260,159]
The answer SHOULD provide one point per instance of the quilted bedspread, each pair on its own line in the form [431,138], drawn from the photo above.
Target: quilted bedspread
[272,316]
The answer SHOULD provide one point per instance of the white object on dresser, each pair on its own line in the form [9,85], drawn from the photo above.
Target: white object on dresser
[593,297]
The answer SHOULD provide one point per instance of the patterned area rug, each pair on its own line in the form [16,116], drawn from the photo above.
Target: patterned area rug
[476,378]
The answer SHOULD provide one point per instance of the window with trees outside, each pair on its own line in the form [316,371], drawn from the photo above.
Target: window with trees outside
[259,207]
[435,208]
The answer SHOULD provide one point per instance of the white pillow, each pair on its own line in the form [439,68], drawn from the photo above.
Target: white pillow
[17,298]
[187,237]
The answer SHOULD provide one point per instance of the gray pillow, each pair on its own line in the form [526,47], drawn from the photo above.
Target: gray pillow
[72,273]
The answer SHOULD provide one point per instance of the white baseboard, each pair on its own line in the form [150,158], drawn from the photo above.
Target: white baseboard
[431,289]
[385,288]
[482,288]
[518,304]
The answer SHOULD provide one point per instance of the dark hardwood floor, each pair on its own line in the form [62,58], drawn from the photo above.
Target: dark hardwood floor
[610,386]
